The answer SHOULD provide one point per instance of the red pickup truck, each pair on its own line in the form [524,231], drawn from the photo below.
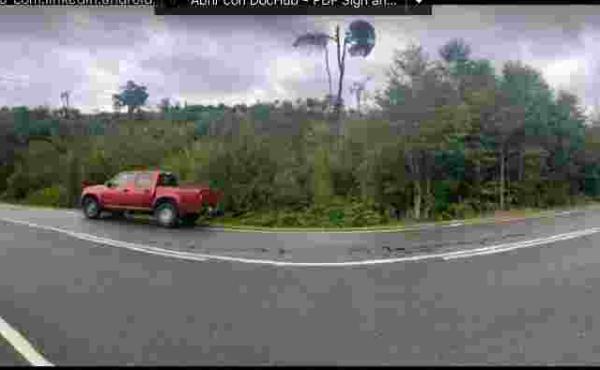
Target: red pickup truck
[150,192]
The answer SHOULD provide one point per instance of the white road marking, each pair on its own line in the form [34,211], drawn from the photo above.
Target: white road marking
[22,345]
[522,244]
[565,213]
[114,243]
[499,248]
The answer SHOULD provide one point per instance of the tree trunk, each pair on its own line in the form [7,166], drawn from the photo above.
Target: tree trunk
[521,164]
[341,57]
[417,200]
[507,170]
[417,196]
[429,197]
[502,179]
[328,70]
[478,184]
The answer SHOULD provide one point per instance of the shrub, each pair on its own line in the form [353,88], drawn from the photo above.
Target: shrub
[460,210]
[50,196]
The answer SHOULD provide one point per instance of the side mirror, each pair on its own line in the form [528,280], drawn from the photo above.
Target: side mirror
[109,184]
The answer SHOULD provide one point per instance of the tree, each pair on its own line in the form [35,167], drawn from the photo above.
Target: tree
[322,183]
[360,37]
[64,97]
[468,74]
[500,124]
[525,87]
[357,88]
[132,96]
[416,88]
[567,131]
[455,50]
[359,40]
[504,125]
[164,105]
[117,104]
[321,41]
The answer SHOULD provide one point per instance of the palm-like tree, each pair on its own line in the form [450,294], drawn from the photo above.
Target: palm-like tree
[319,40]
[357,88]
[360,37]
[64,97]
[455,50]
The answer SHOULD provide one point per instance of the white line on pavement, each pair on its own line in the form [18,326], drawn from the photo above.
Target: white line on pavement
[203,257]
[22,345]
[114,243]
[522,244]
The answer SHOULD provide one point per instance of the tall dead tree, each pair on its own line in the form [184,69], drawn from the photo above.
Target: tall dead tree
[64,98]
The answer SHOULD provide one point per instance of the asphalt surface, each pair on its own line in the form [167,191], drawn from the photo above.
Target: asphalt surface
[309,246]
[9,356]
[81,303]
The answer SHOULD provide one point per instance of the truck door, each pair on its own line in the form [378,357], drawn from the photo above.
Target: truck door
[114,196]
[140,193]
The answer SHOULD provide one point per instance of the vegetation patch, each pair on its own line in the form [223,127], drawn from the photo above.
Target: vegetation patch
[446,138]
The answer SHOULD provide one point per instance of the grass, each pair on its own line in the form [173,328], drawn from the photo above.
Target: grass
[515,213]
[228,222]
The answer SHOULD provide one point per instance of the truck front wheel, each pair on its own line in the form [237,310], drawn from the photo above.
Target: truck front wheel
[166,214]
[91,208]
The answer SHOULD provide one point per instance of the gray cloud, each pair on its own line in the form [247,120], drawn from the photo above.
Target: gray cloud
[191,71]
[227,58]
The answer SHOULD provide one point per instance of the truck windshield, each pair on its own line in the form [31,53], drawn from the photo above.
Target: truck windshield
[167,179]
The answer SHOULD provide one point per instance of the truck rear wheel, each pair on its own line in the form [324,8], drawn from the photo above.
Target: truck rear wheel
[166,214]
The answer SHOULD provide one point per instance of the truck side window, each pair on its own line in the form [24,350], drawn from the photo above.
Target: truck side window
[143,181]
[123,179]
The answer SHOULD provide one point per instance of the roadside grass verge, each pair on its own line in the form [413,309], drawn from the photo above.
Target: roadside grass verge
[249,221]
[245,223]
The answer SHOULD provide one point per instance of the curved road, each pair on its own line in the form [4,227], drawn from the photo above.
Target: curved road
[122,293]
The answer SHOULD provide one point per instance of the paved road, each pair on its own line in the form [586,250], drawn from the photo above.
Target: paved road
[80,303]
[312,246]
[9,356]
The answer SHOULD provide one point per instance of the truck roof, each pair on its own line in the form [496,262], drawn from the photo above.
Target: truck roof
[162,172]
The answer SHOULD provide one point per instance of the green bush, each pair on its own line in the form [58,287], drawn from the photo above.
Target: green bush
[360,213]
[268,219]
[50,196]
[290,219]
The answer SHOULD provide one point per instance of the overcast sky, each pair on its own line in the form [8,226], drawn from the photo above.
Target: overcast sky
[231,59]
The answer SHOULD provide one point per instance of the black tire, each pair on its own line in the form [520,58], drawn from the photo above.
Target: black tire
[216,213]
[190,219]
[166,214]
[91,208]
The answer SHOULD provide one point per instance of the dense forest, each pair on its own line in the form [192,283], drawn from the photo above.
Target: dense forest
[450,138]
